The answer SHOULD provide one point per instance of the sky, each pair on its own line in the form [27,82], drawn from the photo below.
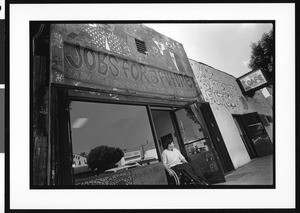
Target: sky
[225,46]
[122,126]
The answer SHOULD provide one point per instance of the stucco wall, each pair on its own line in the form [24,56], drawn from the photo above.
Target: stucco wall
[225,97]
[106,56]
[263,106]
[119,40]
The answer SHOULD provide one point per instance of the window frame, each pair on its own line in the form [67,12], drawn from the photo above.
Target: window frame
[76,93]
[71,99]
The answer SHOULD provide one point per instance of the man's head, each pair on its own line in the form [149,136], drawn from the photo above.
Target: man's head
[169,144]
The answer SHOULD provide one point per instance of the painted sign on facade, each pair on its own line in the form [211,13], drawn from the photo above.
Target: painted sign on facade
[86,65]
[119,40]
[224,94]
[215,87]
[253,80]
[106,55]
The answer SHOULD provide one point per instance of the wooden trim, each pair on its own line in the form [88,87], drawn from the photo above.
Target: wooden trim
[220,149]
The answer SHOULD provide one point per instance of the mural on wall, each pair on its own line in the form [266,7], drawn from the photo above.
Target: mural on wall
[167,50]
[161,51]
[103,36]
[107,55]
[85,65]
[216,89]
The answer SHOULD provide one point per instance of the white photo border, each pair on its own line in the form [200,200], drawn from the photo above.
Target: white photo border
[22,197]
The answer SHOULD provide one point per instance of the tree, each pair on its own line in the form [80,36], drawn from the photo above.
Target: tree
[84,154]
[104,157]
[262,56]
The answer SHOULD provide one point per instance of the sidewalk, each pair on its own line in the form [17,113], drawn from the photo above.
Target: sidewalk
[257,172]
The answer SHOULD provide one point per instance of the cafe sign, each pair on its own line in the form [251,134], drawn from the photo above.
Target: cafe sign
[252,81]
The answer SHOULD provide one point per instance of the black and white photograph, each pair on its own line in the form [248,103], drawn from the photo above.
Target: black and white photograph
[104,94]
[132,109]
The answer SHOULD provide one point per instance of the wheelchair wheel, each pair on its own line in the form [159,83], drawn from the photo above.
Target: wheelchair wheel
[185,179]
[173,179]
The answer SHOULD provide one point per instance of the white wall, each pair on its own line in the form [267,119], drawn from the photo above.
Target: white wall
[225,97]
[78,158]
[263,106]
[233,141]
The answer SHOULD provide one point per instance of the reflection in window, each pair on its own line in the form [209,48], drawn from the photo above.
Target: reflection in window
[119,136]
[164,127]
[196,143]
[255,129]
[191,130]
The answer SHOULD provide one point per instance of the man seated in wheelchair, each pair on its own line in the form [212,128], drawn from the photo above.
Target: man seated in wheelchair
[173,159]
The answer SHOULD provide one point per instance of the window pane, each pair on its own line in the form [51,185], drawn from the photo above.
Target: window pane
[117,127]
[164,128]
[197,145]
[191,129]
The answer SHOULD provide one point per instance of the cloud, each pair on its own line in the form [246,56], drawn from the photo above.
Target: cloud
[247,28]
[246,62]
[79,123]
[248,25]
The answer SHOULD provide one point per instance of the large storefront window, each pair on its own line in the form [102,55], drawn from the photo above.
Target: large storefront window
[192,131]
[108,138]
[121,143]
[164,128]
[197,143]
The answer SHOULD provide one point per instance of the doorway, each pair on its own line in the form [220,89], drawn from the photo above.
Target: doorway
[257,141]
[164,128]
[216,137]
[189,133]
[249,146]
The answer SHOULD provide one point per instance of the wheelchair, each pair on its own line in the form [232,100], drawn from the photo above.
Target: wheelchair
[179,178]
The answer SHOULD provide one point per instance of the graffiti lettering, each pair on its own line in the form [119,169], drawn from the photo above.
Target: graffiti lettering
[215,91]
[103,67]
[154,77]
[114,62]
[134,71]
[143,73]
[88,57]
[78,55]
[126,68]
[123,72]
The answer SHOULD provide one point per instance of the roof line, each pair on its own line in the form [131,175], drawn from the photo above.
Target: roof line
[211,67]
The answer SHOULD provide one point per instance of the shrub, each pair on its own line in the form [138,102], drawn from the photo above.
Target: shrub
[104,157]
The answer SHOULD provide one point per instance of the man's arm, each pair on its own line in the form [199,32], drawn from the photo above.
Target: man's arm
[168,169]
[166,165]
[184,160]
[181,157]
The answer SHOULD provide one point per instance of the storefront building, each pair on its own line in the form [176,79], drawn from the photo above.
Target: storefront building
[245,123]
[106,96]
[117,90]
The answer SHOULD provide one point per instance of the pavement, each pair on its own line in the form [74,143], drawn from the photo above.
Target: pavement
[259,171]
